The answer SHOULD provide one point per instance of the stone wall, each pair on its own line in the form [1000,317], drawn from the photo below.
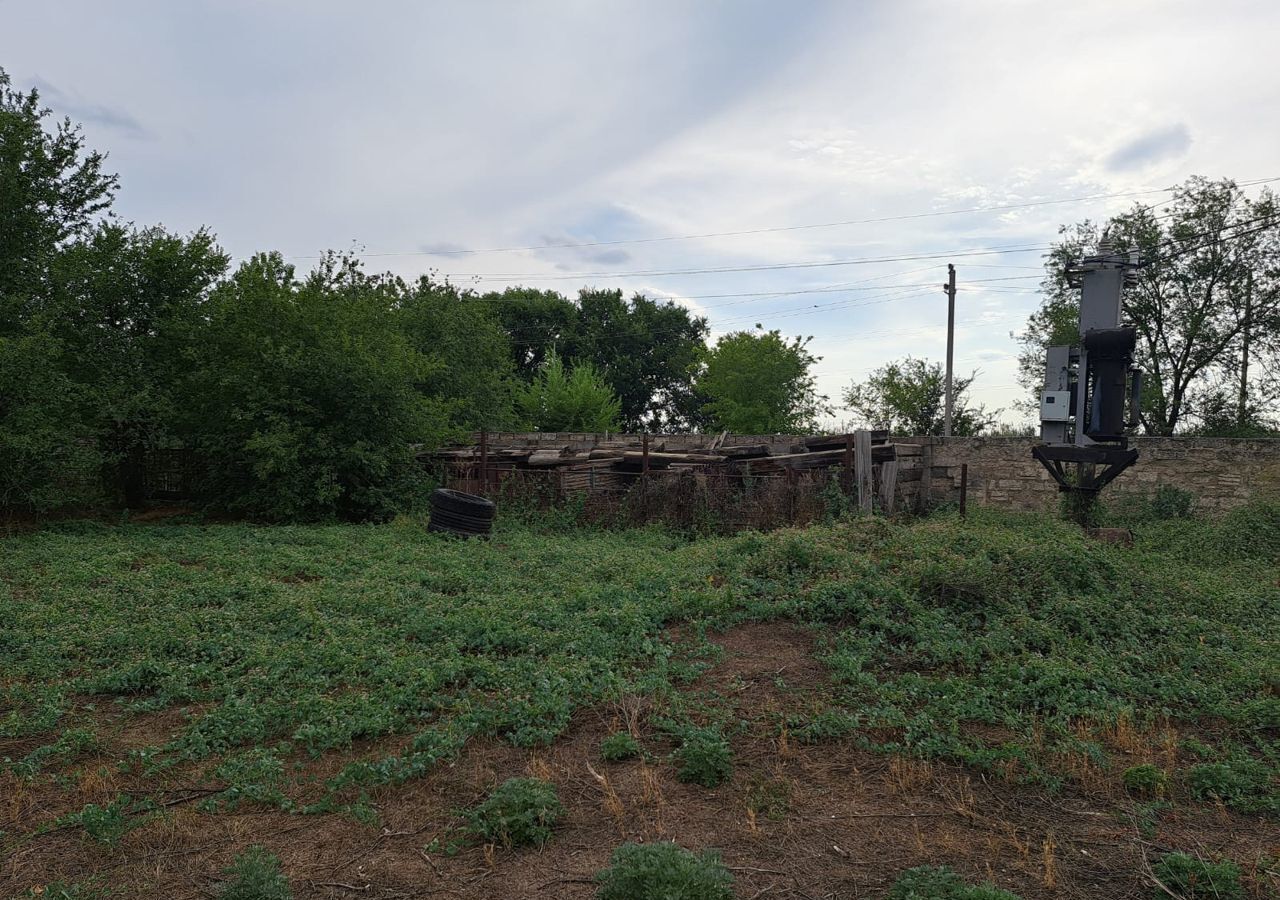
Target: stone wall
[1221,473]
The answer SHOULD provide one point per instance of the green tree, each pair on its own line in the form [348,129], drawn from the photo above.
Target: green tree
[579,400]
[51,193]
[908,396]
[1208,297]
[474,375]
[125,304]
[761,383]
[646,351]
[537,323]
[304,397]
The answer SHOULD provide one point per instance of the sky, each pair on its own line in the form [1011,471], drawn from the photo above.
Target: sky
[448,137]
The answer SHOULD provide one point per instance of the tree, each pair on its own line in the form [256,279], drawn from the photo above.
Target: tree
[473,373]
[125,305]
[304,400]
[51,192]
[645,350]
[580,400]
[1207,300]
[909,397]
[760,383]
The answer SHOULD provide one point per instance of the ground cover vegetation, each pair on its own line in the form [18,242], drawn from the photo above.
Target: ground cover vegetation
[317,674]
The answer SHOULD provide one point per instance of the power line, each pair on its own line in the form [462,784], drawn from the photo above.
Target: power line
[781,228]
[767,267]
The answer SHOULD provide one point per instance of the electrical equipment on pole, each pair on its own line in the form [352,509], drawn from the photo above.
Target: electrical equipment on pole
[1092,390]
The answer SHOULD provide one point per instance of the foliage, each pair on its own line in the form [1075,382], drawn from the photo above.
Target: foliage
[255,875]
[928,627]
[705,757]
[646,352]
[472,375]
[664,871]
[1210,287]
[1192,878]
[48,459]
[51,192]
[940,883]
[67,890]
[1240,782]
[761,383]
[520,812]
[125,304]
[580,400]
[908,396]
[1145,780]
[302,399]
[619,746]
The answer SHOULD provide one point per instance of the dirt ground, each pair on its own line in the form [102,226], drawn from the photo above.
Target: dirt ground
[824,821]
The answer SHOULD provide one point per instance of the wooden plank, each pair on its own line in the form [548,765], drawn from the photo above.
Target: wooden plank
[862,470]
[888,485]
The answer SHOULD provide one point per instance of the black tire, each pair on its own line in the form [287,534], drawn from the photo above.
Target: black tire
[462,504]
[455,522]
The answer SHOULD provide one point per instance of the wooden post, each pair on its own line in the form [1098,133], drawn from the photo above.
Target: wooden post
[924,489]
[862,463]
[964,489]
[848,464]
[644,480]
[484,460]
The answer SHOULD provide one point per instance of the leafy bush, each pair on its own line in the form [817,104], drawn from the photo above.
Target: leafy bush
[520,812]
[940,883]
[664,872]
[1169,502]
[1241,783]
[619,746]
[1145,780]
[255,875]
[705,757]
[1194,879]
[303,401]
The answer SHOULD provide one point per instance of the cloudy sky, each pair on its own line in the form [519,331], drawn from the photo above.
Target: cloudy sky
[411,131]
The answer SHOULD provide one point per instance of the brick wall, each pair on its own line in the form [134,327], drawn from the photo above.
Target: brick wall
[1222,473]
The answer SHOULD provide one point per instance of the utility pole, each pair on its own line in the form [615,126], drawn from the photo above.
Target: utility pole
[1242,409]
[950,288]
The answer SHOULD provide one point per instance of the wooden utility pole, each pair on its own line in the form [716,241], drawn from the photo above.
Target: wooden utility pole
[1242,410]
[950,288]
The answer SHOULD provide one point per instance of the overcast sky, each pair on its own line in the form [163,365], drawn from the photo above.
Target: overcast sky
[406,129]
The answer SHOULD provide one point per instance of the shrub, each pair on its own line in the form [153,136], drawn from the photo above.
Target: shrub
[1241,783]
[664,872]
[619,746]
[255,875]
[521,811]
[1193,878]
[1169,502]
[940,883]
[1145,780]
[705,757]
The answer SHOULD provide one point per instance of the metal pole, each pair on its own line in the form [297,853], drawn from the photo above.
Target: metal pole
[950,288]
[484,460]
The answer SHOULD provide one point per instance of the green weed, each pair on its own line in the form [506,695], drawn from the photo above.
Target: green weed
[619,746]
[519,812]
[940,883]
[255,875]
[1145,780]
[705,757]
[664,871]
[1192,878]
